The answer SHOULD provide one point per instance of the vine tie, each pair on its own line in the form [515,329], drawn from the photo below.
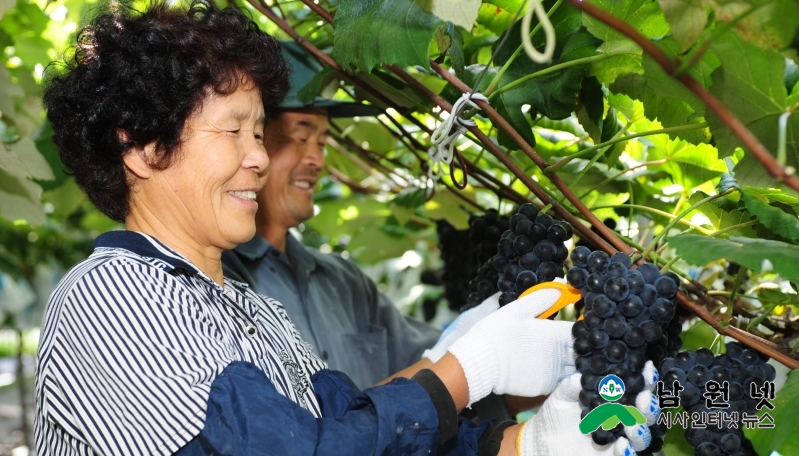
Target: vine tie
[447,133]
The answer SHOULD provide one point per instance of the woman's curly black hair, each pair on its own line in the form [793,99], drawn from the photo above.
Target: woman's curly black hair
[144,74]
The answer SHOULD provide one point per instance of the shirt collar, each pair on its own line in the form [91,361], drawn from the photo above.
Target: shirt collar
[258,247]
[144,245]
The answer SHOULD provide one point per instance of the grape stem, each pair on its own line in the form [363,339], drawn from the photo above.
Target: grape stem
[621,173]
[546,71]
[657,212]
[735,285]
[666,268]
[560,164]
[671,224]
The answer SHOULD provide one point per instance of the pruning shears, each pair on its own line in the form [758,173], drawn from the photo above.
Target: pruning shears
[568,295]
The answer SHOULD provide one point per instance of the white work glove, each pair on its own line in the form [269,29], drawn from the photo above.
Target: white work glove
[555,429]
[461,326]
[512,352]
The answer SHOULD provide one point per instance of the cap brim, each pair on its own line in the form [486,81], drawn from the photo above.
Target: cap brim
[336,108]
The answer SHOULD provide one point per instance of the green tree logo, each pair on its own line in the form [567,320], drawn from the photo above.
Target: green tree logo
[610,414]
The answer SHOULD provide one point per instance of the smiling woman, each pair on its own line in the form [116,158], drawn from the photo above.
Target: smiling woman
[146,348]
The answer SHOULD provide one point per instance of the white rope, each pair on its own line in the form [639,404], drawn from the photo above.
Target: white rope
[447,133]
[549,31]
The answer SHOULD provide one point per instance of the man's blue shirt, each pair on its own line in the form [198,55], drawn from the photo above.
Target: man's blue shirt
[335,307]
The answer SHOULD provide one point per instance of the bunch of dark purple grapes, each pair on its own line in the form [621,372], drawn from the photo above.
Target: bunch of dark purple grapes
[459,266]
[530,252]
[630,317]
[741,367]
[485,231]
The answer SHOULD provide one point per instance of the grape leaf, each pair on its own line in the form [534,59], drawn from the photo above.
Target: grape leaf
[778,196]
[552,95]
[368,32]
[782,438]
[498,15]
[459,12]
[644,16]
[752,253]
[450,41]
[687,19]
[750,83]
[721,218]
[19,199]
[591,108]
[749,172]
[772,25]
[773,218]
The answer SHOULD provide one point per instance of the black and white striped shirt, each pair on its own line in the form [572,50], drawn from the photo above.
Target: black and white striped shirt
[132,339]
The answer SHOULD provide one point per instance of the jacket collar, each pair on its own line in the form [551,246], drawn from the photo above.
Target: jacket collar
[144,245]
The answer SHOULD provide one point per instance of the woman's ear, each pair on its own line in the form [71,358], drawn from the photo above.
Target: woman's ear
[136,158]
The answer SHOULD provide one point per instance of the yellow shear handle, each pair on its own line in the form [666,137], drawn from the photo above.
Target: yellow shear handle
[568,295]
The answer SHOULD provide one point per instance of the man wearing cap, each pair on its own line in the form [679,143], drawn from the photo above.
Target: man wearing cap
[335,307]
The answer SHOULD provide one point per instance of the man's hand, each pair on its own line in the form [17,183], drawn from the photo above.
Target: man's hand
[461,326]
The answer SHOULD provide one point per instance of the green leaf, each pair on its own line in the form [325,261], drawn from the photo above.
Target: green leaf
[8,92]
[459,12]
[498,15]
[687,19]
[644,16]
[689,165]
[674,443]
[369,32]
[771,26]
[773,218]
[776,196]
[699,335]
[700,250]
[749,172]
[782,438]
[43,138]
[552,95]
[721,218]
[450,37]
[19,199]
[591,108]
[750,83]
[35,164]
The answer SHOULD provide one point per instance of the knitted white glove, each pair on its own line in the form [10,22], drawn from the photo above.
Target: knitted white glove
[461,326]
[555,429]
[512,352]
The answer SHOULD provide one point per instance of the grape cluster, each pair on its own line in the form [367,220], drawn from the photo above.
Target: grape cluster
[485,231]
[630,316]
[459,266]
[531,251]
[741,367]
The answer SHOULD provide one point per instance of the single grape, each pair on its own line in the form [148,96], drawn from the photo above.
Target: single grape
[598,364]
[548,270]
[616,327]
[566,226]
[648,295]
[595,282]
[537,232]
[515,219]
[526,279]
[769,372]
[589,381]
[603,437]
[528,210]
[756,372]
[529,261]
[577,277]
[522,244]
[616,288]
[578,329]
[504,285]
[597,261]
[492,234]
[631,306]
[685,360]
[748,357]
[579,256]
[506,298]
[650,272]
[730,443]
[719,374]
[603,307]
[674,277]
[561,253]
[511,271]
[635,336]
[674,374]
[616,351]
[545,250]
[508,234]
[738,373]
[582,347]
[655,352]
[622,259]
[734,350]
[699,375]
[636,281]
[707,449]
[556,234]
[616,270]
[691,395]
[705,357]
[505,247]
[544,219]
[589,298]
[581,363]
[598,339]
[736,391]
[522,227]
[662,311]
[652,331]
[618,369]
[665,287]
[635,383]
[485,288]
[641,317]
[666,364]
[592,320]
[635,361]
